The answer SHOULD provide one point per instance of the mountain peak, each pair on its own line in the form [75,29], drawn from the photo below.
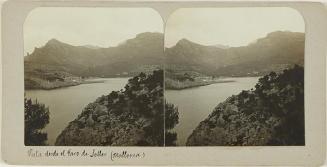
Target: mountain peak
[274,33]
[148,34]
[277,37]
[284,34]
[53,41]
[144,39]
[186,42]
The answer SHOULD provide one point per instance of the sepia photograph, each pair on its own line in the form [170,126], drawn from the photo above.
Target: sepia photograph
[227,77]
[178,83]
[236,76]
[93,77]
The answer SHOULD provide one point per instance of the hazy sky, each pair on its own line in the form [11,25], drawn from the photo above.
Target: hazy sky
[88,26]
[106,27]
[230,26]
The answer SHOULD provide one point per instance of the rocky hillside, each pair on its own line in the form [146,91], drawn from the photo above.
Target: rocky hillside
[130,117]
[271,114]
[142,53]
[275,52]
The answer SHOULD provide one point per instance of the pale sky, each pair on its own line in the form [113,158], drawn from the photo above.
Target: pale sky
[230,26]
[106,27]
[101,27]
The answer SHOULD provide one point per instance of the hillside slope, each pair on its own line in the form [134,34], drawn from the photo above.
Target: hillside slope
[129,117]
[272,114]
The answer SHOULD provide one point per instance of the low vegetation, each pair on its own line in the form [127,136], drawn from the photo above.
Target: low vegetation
[130,117]
[271,114]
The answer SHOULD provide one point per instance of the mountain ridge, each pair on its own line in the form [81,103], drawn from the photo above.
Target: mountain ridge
[145,52]
[85,61]
[274,52]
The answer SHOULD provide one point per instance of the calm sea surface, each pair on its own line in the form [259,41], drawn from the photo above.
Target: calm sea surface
[65,104]
[195,104]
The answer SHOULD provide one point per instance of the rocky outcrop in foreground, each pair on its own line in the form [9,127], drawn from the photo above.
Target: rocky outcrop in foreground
[129,117]
[271,114]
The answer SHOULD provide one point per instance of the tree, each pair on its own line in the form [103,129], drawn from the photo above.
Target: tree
[171,120]
[271,114]
[280,96]
[135,116]
[36,118]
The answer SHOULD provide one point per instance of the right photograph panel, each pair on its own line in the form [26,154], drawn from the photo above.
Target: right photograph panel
[235,77]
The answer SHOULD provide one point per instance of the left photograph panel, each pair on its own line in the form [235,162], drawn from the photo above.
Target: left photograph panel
[93,77]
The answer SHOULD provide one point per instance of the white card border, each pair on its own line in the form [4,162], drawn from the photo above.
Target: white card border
[14,152]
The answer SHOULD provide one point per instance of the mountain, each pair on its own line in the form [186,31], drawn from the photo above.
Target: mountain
[60,62]
[145,51]
[275,52]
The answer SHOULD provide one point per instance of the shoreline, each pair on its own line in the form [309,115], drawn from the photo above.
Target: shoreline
[65,85]
[192,84]
[198,85]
